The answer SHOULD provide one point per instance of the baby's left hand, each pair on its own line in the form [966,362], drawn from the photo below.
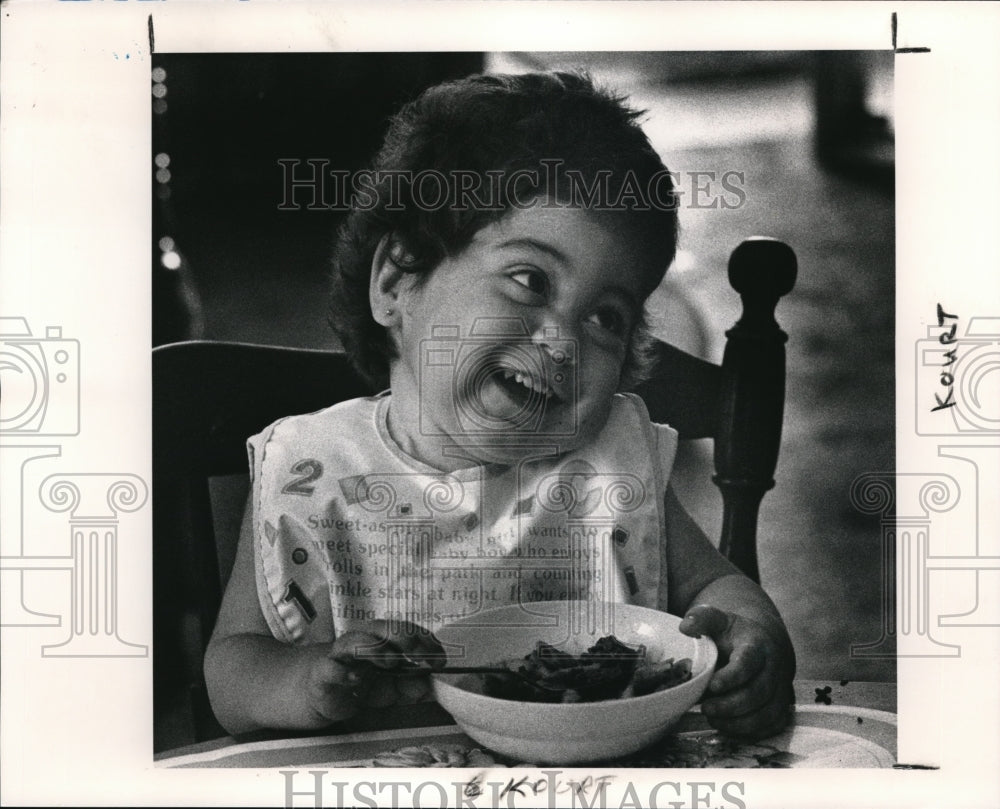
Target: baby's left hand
[750,695]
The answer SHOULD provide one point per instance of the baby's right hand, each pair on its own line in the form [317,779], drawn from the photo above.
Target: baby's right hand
[351,676]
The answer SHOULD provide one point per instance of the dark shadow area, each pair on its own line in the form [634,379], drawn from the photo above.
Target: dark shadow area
[252,245]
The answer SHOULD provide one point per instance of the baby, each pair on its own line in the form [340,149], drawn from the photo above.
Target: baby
[491,276]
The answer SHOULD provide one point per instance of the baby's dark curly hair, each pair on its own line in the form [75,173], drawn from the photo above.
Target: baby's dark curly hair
[523,134]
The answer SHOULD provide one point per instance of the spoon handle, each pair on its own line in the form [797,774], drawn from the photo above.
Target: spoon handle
[404,670]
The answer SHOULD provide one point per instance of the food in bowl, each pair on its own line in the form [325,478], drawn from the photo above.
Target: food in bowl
[559,732]
[610,669]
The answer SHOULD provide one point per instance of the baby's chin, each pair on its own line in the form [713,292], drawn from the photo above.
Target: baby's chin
[557,434]
[512,450]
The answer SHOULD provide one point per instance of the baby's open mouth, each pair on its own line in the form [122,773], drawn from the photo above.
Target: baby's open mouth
[504,389]
[519,381]
[513,397]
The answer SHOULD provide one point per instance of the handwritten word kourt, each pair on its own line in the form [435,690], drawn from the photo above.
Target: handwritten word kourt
[951,357]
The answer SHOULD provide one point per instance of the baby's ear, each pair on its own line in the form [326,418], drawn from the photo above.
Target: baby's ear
[388,279]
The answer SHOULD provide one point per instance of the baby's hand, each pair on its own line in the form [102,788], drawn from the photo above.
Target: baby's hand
[750,695]
[351,676]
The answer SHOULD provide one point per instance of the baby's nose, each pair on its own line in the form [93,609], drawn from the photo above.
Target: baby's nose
[558,343]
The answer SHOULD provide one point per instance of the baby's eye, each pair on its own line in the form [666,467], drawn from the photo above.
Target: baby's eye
[533,280]
[610,320]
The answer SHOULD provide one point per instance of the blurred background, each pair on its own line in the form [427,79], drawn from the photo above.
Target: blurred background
[810,134]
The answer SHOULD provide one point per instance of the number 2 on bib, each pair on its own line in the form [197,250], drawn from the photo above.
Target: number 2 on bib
[308,470]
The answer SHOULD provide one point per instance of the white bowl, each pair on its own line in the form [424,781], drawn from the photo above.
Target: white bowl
[557,733]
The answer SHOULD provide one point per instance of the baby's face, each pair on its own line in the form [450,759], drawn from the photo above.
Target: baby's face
[519,338]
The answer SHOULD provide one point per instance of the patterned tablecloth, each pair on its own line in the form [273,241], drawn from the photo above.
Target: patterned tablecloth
[836,725]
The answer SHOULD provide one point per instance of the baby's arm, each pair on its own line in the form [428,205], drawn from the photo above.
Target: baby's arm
[256,681]
[751,691]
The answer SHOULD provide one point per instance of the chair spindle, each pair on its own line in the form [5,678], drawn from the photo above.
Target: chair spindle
[761,270]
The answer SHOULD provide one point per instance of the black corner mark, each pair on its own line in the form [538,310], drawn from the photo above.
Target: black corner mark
[895,28]
[149,28]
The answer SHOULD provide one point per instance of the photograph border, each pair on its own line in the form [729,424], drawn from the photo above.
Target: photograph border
[76,182]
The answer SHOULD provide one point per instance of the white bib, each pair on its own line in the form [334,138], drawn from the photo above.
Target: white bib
[348,528]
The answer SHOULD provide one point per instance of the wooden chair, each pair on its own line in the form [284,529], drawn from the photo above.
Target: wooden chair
[209,397]
[739,404]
